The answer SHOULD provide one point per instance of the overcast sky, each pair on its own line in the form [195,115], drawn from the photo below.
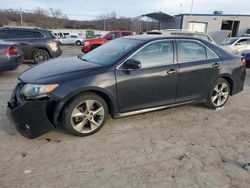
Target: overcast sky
[89,9]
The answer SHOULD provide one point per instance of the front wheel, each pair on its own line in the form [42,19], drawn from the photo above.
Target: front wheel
[219,94]
[85,114]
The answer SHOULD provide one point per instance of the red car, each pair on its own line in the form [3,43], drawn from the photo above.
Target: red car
[90,44]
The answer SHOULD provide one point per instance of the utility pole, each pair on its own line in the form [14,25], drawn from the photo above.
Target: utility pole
[191,12]
[21,15]
[180,8]
[104,24]
[192,6]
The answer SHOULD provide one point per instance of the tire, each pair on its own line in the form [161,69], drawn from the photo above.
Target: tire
[40,55]
[218,94]
[85,114]
[78,43]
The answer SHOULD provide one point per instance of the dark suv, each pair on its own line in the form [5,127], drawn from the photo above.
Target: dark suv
[37,44]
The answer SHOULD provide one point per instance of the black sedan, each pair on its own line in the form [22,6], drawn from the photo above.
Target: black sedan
[124,77]
[10,56]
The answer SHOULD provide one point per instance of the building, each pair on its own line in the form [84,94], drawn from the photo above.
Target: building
[237,24]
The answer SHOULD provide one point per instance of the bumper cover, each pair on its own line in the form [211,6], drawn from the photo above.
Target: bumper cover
[29,117]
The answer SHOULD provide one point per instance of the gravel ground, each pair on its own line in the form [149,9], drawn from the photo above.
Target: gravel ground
[188,146]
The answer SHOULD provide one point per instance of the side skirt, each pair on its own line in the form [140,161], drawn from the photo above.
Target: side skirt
[120,115]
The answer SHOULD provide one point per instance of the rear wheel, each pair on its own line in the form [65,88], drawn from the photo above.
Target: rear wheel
[40,55]
[78,43]
[219,94]
[85,114]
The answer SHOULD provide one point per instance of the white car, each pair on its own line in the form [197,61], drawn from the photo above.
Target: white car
[72,39]
[236,45]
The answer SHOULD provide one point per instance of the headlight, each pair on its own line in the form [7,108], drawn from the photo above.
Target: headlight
[37,91]
[86,43]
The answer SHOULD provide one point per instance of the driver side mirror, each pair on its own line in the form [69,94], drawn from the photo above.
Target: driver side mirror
[131,64]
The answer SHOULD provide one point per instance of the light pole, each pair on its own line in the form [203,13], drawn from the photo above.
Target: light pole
[21,15]
[104,24]
[192,6]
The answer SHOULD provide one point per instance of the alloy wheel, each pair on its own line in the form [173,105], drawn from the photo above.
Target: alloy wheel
[220,94]
[41,56]
[87,116]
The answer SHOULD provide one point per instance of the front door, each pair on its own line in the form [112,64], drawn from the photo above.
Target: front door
[154,84]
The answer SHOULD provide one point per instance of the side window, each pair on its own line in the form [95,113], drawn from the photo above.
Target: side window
[191,51]
[242,42]
[115,35]
[4,34]
[73,36]
[126,34]
[156,54]
[38,35]
[23,34]
[211,54]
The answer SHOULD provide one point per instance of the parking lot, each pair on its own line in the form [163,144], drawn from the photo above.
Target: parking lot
[188,146]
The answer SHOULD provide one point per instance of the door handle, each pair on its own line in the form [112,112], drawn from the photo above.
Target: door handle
[172,72]
[216,65]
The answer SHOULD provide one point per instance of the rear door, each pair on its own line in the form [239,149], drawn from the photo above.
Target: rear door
[154,84]
[199,67]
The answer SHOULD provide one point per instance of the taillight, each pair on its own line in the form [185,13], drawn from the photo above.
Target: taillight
[9,51]
[244,61]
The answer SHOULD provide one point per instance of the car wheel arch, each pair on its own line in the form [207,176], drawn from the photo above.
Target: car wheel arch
[41,48]
[229,80]
[59,109]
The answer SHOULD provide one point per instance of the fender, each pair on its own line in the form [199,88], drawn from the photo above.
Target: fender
[111,101]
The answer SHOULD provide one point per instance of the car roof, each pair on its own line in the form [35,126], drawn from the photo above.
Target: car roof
[159,37]
[23,28]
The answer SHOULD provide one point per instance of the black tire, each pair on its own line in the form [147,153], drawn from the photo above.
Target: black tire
[40,55]
[212,93]
[78,43]
[67,118]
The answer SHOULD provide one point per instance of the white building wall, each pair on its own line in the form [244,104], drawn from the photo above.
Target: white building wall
[214,22]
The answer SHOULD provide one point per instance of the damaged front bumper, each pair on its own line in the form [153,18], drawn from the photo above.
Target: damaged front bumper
[31,117]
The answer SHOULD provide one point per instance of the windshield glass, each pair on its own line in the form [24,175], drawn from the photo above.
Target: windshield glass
[228,41]
[111,51]
[105,35]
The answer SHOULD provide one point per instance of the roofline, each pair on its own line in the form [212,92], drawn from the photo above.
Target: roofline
[185,14]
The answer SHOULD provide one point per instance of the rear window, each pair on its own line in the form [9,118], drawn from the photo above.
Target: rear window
[38,35]
[4,34]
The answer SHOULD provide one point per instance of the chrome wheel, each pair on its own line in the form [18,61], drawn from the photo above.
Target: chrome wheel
[220,94]
[87,116]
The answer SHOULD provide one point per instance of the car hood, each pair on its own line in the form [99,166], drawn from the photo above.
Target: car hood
[58,70]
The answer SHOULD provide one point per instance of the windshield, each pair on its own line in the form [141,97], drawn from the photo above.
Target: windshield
[111,51]
[105,34]
[228,41]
